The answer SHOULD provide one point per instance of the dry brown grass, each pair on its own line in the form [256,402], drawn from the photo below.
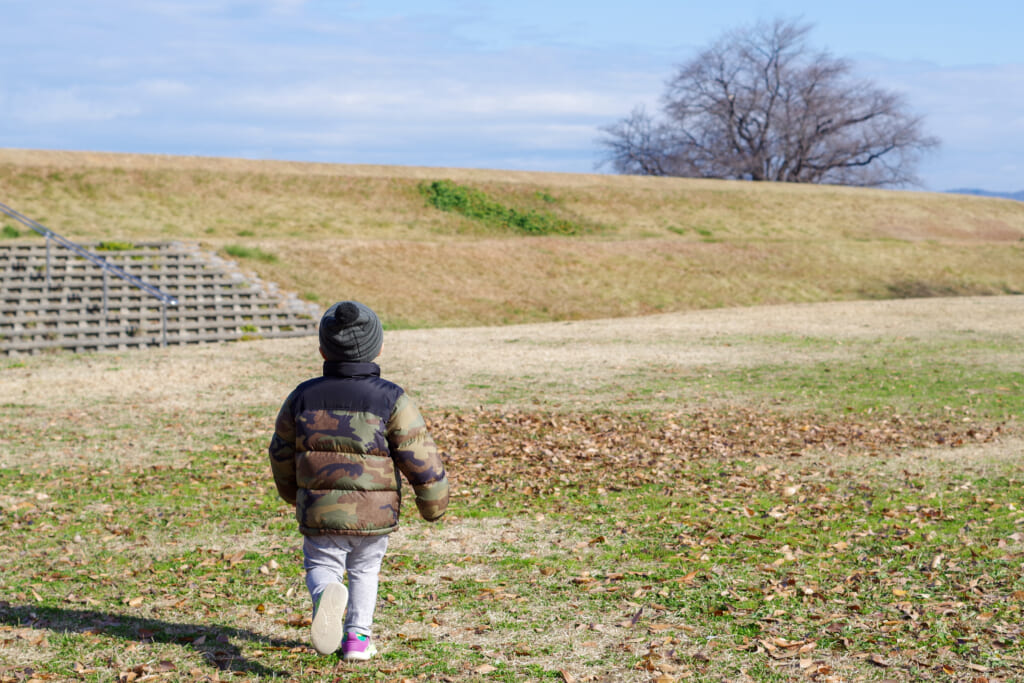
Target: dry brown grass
[150,407]
[493,282]
[81,193]
[669,244]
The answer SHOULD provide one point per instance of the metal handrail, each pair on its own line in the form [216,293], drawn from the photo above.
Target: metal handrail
[107,267]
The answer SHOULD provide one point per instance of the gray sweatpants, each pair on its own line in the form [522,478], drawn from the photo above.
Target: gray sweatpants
[329,557]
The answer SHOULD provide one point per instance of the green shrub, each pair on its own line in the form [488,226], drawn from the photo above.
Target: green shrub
[448,196]
[11,231]
[255,253]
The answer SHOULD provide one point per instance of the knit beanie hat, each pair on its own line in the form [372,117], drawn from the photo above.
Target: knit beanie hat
[349,331]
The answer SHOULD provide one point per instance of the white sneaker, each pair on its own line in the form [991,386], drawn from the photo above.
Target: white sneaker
[329,619]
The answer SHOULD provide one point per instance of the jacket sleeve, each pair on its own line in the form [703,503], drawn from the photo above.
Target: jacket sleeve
[416,456]
[282,452]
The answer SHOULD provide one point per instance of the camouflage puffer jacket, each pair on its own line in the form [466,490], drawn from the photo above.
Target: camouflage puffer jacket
[339,444]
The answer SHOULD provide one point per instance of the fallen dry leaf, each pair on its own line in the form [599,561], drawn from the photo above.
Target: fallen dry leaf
[878,660]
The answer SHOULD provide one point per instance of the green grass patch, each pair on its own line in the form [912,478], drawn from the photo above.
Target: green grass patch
[251,253]
[477,205]
[991,393]
[113,245]
[964,375]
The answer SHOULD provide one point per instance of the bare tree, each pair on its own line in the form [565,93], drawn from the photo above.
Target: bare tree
[759,104]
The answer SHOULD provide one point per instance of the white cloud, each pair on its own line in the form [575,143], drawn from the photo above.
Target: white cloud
[978,113]
[286,6]
[314,101]
[539,103]
[165,88]
[66,106]
[393,100]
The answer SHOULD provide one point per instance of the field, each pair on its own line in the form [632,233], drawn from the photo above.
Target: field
[806,490]
[821,492]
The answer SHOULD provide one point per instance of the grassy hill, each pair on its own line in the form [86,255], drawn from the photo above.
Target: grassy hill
[637,245]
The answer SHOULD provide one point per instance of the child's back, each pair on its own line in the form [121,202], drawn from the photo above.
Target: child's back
[341,443]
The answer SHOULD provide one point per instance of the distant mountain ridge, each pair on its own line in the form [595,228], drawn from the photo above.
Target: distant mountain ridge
[1019,196]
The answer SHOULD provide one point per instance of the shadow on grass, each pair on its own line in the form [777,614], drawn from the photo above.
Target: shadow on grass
[212,641]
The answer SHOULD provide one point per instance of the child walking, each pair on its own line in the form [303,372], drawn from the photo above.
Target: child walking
[341,443]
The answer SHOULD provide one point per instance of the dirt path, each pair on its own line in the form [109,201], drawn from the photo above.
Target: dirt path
[440,363]
[163,401]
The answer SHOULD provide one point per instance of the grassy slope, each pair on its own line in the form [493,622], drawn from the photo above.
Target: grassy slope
[664,245]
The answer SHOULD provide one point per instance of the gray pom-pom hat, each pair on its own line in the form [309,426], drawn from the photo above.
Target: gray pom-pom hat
[350,331]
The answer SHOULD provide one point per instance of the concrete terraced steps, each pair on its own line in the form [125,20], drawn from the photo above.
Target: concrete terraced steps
[216,302]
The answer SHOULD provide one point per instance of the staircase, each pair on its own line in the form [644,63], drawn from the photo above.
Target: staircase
[53,298]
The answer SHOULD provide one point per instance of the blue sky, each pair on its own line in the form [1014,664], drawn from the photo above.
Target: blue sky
[466,83]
